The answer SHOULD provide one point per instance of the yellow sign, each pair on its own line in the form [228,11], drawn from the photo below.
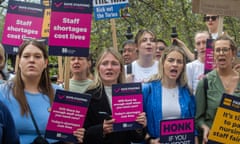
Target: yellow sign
[226,125]
[46,23]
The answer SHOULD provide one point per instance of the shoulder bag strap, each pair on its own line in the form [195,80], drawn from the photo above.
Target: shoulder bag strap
[34,121]
[205,85]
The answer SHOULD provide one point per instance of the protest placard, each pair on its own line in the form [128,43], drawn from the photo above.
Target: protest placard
[127,104]
[218,7]
[226,124]
[209,61]
[70,28]
[68,113]
[108,9]
[177,131]
[23,20]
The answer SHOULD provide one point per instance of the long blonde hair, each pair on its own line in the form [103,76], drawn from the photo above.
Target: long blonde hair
[97,79]
[182,79]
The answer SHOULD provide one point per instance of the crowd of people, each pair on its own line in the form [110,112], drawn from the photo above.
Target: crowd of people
[172,87]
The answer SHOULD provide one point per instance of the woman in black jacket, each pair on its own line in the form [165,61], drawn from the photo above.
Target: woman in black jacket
[98,123]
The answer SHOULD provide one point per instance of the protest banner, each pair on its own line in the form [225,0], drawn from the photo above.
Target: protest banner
[127,104]
[23,20]
[70,28]
[68,113]
[226,124]
[177,131]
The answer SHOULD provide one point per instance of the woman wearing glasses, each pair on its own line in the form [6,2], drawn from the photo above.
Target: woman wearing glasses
[109,70]
[223,79]
[212,24]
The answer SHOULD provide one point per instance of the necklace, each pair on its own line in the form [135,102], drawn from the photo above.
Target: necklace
[172,92]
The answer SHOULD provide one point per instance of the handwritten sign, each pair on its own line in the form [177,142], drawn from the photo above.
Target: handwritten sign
[226,125]
[126,106]
[67,114]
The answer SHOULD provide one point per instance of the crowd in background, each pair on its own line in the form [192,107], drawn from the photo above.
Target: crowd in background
[172,80]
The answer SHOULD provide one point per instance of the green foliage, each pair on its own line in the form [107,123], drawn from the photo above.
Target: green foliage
[158,16]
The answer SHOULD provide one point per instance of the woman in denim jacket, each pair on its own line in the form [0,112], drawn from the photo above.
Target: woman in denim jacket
[167,96]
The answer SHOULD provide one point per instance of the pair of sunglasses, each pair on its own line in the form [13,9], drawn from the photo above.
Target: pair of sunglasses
[207,18]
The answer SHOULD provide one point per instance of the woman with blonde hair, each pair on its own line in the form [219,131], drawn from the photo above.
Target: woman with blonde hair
[146,65]
[109,70]
[166,95]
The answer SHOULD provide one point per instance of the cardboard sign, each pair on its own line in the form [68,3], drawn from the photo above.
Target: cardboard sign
[226,125]
[218,7]
[68,113]
[127,104]
[177,131]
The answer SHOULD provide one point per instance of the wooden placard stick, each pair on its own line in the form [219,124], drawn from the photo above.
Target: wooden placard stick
[60,69]
[66,73]
[16,64]
[114,34]
[220,25]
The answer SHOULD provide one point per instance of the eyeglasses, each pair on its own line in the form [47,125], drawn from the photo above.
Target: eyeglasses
[224,50]
[207,18]
[161,48]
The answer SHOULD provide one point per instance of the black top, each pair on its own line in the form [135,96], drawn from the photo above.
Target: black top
[94,123]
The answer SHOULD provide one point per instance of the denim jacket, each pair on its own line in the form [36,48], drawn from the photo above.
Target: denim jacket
[152,103]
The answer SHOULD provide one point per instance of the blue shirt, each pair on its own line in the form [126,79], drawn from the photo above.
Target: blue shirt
[8,132]
[39,104]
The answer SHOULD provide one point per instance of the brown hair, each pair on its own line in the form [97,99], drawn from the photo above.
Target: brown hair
[44,84]
[228,38]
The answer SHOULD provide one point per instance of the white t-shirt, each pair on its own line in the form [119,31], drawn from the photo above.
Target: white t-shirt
[195,72]
[142,74]
[170,103]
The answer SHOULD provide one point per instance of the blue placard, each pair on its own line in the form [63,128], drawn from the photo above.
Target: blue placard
[109,10]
